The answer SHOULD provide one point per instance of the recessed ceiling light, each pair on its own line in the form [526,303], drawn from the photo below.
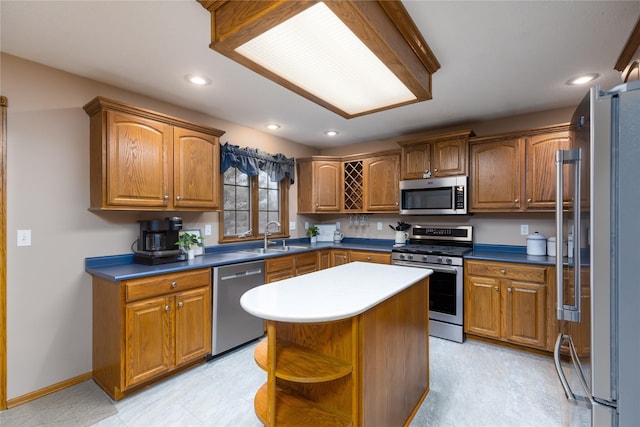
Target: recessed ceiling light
[331,132]
[582,79]
[197,79]
[273,126]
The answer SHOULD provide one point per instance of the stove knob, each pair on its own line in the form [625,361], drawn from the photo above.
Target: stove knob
[449,261]
[439,260]
[425,258]
[401,256]
[409,256]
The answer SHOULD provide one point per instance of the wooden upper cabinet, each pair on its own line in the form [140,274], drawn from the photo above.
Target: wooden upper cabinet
[382,185]
[517,172]
[143,160]
[540,172]
[196,176]
[442,154]
[319,185]
[495,175]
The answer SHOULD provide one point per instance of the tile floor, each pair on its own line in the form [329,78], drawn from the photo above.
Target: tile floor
[472,384]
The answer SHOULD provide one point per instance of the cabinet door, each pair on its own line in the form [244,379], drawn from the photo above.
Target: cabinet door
[324,259]
[279,268]
[195,172]
[416,160]
[482,306]
[339,257]
[139,161]
[381,183]
[306,263]
[326,186]
[368,256]
[193,325]
[495,175]
[148,339]
[540,173]
[525,313]
[450,157]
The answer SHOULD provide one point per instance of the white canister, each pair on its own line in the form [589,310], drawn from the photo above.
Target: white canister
[551,246]
[536,244]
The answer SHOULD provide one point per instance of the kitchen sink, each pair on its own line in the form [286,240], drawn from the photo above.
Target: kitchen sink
[274,249]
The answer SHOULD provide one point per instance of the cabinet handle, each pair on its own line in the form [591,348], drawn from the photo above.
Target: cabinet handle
[368,258]
[528,200]
[435,170]
[316,205]
[508,289]
[166,197]
[503,271]
[167,308]
[178,198]
[181,304]
[496,288]
[516,200]
[174,284]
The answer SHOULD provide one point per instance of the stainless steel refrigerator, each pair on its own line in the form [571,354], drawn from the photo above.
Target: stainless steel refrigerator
[598,203]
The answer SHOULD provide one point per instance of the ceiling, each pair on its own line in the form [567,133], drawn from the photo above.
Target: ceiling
[498,58]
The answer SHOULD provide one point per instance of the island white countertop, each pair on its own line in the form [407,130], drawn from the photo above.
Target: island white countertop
[331,294]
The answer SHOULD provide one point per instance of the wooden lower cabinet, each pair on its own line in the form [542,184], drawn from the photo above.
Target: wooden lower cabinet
[339,257]
[507,302]
[147,328]
[579,332]
[324,259]
[369,256]
[285,267]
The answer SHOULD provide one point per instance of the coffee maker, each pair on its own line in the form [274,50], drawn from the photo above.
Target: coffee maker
[157,241]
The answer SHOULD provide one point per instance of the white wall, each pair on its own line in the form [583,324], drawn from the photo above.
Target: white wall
[48,291]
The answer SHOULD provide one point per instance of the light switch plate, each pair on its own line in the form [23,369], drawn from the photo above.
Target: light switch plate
[24,237]
[379,225]
[292,225]
[207,229]
[524,229]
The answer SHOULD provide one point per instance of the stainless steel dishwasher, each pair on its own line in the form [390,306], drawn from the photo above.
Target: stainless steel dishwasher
[232,326]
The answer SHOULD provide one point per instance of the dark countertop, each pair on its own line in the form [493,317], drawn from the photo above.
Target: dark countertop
[121,267]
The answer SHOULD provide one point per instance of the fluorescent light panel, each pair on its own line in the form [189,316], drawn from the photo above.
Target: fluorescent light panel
[316,51]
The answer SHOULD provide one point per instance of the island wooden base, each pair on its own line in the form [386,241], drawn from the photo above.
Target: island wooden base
[368,370]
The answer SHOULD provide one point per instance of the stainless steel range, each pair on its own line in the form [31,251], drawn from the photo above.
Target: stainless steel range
[440,248]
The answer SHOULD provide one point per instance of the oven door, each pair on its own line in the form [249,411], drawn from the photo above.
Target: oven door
[445,291]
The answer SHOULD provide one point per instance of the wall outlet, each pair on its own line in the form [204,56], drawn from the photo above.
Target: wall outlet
[524,229]
[207,229]
[306,225]
[337,225]
[379,225]
[24,237]
[292,225]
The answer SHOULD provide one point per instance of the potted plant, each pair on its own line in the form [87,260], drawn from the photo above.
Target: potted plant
[187,242]
[313,232]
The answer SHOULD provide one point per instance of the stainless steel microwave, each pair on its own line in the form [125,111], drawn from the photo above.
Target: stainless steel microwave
[434,196]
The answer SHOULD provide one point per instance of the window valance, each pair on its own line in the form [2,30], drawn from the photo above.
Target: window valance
[250,160]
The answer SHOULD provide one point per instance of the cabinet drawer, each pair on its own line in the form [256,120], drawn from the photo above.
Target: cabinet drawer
[366,256]
[146,287]
[510,271]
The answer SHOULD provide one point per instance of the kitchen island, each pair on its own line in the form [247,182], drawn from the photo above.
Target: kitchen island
[345,346]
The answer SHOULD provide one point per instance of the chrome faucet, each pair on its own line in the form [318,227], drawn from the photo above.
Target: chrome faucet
[266,233]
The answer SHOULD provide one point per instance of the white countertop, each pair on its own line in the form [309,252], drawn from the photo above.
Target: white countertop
[332,294]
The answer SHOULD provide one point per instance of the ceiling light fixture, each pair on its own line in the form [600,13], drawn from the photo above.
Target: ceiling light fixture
[582,79]
[331,132]
[353,58]
[273,126]
[197,79]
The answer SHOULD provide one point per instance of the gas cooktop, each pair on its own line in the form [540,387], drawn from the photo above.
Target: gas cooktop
[419,248]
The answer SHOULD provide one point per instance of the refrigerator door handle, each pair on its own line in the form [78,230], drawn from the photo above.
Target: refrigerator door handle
[585,401]
[568,312]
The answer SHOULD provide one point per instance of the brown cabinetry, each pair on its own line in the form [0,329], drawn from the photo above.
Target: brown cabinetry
[319,185]
[339,257]
[438,155]
[350,184]
[516,172]
[507,302]
[147,328]
[285,267]
[369,256]
[142,160]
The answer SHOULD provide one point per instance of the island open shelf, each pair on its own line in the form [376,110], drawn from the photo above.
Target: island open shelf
[361,363]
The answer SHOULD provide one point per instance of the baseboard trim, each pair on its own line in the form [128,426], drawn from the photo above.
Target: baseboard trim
[17,401]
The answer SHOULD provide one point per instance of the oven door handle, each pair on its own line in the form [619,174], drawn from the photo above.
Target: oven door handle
[437,268]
